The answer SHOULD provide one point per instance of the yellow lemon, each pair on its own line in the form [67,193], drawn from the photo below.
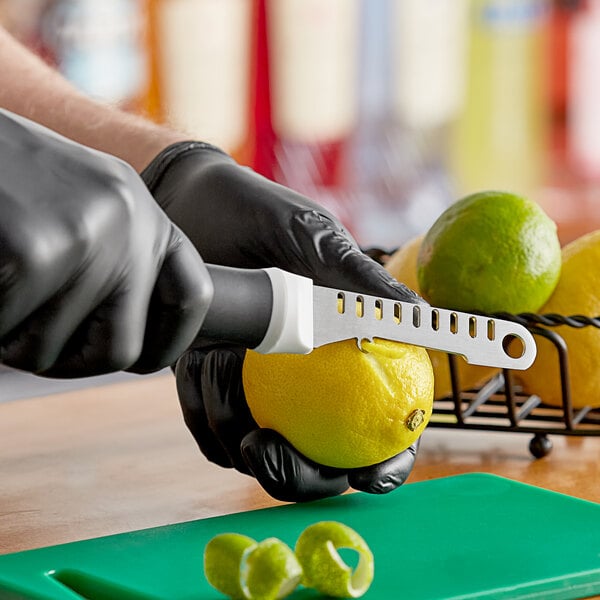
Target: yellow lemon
[403,266]
[341,406]
[490,251]
[577,292]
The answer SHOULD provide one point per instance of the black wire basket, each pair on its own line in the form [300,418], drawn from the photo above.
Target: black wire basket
[500,404]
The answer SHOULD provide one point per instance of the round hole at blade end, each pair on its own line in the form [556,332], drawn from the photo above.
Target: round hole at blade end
[513,346]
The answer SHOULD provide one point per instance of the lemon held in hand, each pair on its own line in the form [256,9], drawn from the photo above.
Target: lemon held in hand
[577,292]
[342,407]
[402,265]
[491,251]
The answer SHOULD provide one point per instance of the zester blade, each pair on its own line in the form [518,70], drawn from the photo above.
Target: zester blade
[480,339]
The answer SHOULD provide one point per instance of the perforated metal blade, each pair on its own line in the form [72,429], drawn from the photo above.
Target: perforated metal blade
[481,340]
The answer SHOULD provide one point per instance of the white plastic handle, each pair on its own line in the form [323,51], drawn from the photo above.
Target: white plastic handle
[291,327]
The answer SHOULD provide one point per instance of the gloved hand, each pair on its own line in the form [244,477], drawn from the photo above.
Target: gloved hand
[237,218]
[93,276]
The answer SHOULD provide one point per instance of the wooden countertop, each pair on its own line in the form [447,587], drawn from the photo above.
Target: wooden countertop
[118,458]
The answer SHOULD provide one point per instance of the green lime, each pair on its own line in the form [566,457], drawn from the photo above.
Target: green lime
[223,557]
[270,571]
[324,569]
[489,252]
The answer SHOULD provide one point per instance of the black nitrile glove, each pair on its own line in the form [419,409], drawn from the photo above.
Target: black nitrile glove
[237,218]
[93,276]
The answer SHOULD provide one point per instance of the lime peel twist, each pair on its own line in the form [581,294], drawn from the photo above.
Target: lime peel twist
[223,556]
[269,571]
[239,567]
[324,569]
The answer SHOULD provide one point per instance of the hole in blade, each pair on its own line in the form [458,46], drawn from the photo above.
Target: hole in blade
[453,323]
[513,346]
[435,320]
[417,316]
[360,306]
[397,313]
[491,329]
[341,303]
[472,327]
[378,310]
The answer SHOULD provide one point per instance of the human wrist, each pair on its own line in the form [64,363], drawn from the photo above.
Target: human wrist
[135,140]
[31,89]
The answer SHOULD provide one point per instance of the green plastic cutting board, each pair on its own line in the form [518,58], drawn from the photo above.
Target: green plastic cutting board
[468,536]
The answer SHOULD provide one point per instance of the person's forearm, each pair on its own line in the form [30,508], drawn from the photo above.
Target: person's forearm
[30,88]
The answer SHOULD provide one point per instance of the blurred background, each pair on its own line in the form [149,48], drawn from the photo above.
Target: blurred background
[384,111]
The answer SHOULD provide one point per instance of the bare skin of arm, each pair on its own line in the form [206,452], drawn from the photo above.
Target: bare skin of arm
[30,88]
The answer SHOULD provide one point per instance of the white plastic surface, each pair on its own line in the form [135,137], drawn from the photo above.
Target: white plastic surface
[291,327]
